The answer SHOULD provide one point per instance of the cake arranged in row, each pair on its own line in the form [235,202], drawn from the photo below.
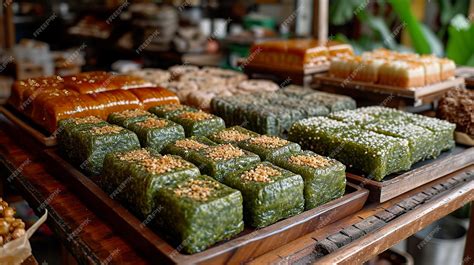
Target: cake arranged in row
[47,100]
[204,189]
[274,113]
[392,68]
[375,140]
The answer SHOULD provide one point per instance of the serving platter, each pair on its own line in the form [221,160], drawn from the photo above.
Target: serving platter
[420,174]
[415,96]
[244,247]
[27,125]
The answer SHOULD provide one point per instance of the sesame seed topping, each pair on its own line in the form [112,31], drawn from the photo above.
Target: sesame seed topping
[232,135]
[89,119]
[224,152]
[196,189]
[261,173]
[190,144]
[131,113]
[195,116]
[269,141]
[106,129]
[153,123]
[163,164]
[309,160]
[135,155]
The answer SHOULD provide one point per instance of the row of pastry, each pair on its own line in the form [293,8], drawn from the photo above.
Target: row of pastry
[392,68]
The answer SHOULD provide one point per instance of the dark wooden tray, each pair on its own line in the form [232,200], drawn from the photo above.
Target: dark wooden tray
[420,174]
[27,125]
[247,245]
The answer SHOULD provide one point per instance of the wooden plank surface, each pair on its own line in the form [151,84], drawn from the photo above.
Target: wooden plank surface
[440,203]
[249,244]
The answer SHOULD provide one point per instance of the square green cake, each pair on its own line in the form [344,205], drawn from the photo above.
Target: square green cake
[167,111]
[269,147]
[138,175]
[374,154]
[199,123]
[324,178]
[156,133]
[220,160]
[127,117]
[91,145]
[232,135]
[67,127]
[270,193]
[185,147]
[198,212]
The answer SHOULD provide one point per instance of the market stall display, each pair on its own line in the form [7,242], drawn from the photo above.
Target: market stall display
[274,113]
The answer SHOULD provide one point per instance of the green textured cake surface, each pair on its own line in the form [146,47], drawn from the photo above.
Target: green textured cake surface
[269,147]
[199,212]
[127,117]
[157,133]
[376,155]
[169,110]
[185,147]
[67,128]
[270,193]
[324,178]
[219,160]
[273,113]
[91,145]
[232,135]
[199,123]
[138,176]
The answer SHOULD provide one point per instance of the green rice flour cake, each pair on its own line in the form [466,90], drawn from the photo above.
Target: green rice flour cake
[232,135]
[156,133]
[186,147]
[219,160]
[138,176]
[324,178]
[198,212]
[91,145]
[167,111]
[269,147]
[199,123]
[270,193]
[127,117]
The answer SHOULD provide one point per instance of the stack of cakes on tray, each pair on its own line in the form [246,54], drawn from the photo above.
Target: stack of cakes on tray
[204,179]
[391,68]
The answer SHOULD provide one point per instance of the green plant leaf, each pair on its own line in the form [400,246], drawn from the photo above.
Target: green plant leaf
[460,46]
[435,44]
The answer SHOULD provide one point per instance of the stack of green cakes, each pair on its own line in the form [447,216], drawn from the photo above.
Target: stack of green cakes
[274,113]
[206,185]
[376,140]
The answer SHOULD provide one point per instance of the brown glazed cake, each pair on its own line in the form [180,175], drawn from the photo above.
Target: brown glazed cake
[457,106]
[47,100]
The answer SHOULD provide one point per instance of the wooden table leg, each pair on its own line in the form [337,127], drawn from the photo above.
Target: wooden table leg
[469,249]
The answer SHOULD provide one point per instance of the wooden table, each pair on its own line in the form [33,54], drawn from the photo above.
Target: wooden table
[92,241]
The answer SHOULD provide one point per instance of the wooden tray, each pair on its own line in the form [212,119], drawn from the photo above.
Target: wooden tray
[413,96]
[247,245]
[420,174]
[27,125]
[468,74]
[298,76]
